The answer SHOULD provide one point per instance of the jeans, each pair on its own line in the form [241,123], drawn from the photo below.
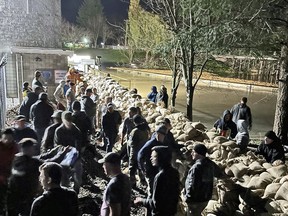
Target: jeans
[75,172]
[109,141]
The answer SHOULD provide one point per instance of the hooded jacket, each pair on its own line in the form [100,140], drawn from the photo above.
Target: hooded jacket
[242,137]
[226,125]
[152,96]
[166,186]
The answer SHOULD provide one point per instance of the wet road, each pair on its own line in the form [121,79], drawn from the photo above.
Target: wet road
[210,102]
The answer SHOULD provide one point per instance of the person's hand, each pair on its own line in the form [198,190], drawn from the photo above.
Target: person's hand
[139,200]
[65,150]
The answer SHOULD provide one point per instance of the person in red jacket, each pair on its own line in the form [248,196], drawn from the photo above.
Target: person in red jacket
[8,149]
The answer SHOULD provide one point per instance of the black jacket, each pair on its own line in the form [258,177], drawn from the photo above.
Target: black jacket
[199,181]
[48,137]
[40,114]
[68,137]
[26,104]
[111,122]
[26,132]
[89,106]
[271,152]
[57,202]
[144,155]
[166,190]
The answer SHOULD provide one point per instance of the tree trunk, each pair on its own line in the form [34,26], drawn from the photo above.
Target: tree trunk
[190,94]
[281,114]
[176,79]
[190,88]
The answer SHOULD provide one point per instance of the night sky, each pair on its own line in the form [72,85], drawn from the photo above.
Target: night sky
[114,10]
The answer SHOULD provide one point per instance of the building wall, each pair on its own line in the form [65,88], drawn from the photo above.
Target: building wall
[26,64]
[30,23]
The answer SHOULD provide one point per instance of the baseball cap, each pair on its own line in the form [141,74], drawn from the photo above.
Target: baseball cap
[111,157]
[20,118]
[161,129]
[27,142]
[57,114]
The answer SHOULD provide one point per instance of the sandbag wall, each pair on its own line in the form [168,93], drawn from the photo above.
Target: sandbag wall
[257,187]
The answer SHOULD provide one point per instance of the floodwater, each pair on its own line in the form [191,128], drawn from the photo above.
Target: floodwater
[210,102]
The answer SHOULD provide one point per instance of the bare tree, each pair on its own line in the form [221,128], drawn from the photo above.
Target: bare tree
[107,33]
[194,28]
[90,16]
[71,33]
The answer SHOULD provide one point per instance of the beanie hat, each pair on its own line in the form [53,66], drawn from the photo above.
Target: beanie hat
[138,119]
[271,135]
[200,149]
[43,96]
[67,115]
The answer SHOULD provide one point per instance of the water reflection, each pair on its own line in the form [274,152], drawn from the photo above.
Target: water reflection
[210,102]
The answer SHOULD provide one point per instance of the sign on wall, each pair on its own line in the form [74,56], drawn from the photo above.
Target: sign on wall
[59,75]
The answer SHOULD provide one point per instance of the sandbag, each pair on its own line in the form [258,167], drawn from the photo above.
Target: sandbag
[244,180]
[267,177]
[211,206]
[282,192]
[255,167]
[191,132]
[267,165]
[211,147]
[238,170]
[199,126]
[182,137]
[230,143]
[283,179]
[257,183]
[224,153]
[220,139]
[229,172]
[271,190]
[159,119]
[283,205]
[211,135]
[273,207]
[278,171]
[216,154]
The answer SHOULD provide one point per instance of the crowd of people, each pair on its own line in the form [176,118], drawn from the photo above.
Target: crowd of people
[41,155]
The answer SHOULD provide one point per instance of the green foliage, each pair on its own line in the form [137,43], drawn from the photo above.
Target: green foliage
[145,31]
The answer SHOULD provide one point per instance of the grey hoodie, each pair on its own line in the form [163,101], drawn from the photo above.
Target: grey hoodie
[242,137]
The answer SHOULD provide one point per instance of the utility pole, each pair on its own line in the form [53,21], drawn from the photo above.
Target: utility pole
[3,62]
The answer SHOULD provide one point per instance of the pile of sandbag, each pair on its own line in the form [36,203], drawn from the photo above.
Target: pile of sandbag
[256,186]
